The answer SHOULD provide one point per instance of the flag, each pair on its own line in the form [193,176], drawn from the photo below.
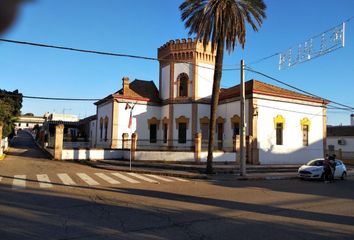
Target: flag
[127,107]
[130,118]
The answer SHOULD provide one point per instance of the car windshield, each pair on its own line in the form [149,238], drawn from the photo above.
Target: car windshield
[315,163]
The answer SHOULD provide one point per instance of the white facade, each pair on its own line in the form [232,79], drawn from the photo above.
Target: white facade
[93,131]
[141,113]
[205,80]
[165,83]
[292,151]
[104,112]
[176,108]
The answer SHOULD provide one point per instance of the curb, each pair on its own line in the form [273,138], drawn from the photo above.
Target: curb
[190,176]
[169,174]
[195,168]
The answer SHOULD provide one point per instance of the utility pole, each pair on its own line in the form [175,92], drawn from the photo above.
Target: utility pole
[243,127]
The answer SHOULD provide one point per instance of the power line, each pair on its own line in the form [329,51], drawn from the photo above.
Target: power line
[49,98]
[63,99]
[106,53]
[77,49]
[298,89]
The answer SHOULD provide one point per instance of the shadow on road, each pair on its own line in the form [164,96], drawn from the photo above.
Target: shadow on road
[37,214]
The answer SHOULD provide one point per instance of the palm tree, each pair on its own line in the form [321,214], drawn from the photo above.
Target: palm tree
[8,13]
[220,22]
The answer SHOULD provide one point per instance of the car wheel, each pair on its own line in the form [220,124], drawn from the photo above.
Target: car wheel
[344,176]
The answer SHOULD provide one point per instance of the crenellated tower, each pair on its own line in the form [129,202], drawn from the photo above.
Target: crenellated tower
[186,70]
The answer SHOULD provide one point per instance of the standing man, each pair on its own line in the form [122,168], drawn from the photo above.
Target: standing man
[327,169]
[332,165]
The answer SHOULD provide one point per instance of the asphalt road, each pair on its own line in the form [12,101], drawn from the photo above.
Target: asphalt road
[45,199]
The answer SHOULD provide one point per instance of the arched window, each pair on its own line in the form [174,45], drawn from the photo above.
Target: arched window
[279,122]
[204,128]
[305,126]
[183,81]
[235,125]
[105,128]
[153,124]
[101,128]
[182,125]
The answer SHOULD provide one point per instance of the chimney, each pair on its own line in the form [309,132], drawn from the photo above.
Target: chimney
[125,81]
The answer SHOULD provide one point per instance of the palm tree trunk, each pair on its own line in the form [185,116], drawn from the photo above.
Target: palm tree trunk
[214,102]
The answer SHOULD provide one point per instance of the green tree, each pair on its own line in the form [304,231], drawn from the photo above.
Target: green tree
[10,109]
[220,22]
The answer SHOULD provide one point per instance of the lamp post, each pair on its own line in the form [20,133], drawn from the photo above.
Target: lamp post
[242,121]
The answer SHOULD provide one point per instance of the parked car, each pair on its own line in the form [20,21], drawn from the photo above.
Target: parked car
[314,170]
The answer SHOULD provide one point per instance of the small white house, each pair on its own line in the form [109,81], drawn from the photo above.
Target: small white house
[283,126]
[28,122]
[340,139]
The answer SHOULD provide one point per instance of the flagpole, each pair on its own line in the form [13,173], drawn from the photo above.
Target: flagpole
[130,125]
[130,152]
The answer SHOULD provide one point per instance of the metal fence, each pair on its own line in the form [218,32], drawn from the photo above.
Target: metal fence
[169,145]
[219,145]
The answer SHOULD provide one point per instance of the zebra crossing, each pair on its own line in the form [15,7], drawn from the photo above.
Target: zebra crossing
[78,179]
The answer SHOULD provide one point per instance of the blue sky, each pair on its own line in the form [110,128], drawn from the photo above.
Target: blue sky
[139,27]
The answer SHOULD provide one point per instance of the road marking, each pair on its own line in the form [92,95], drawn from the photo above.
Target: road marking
[44,181]
[66,179]
[19,182]
[159,178]
[107,178]
[143,178]
[87,179]
[179,179]
[128,179]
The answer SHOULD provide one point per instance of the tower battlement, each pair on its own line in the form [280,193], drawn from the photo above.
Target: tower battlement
[185,49]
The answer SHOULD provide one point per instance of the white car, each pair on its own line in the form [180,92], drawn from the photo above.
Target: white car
[314,170]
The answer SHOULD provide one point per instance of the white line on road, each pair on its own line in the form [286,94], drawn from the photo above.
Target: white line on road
[107,178]
[128,179]
[19,182]
[44,181]
[179,179]
[143,178]
[159,178]
[87,179]
[66,179]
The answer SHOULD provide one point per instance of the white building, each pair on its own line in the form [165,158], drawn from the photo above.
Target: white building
[340,140]
[28,122]
[282,126]
[61,117]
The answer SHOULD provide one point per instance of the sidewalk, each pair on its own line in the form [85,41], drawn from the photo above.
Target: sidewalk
[197,171]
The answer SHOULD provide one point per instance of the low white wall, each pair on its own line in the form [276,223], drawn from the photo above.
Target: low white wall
[92,154]
[220,156]
[164,156]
